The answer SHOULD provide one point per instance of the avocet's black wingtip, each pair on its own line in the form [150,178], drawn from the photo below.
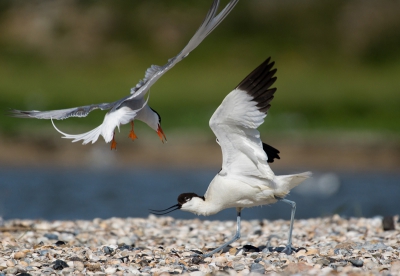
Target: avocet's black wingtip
[257,84]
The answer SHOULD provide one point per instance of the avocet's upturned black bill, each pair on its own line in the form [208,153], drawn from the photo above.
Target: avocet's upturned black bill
[245,180]
[134,106]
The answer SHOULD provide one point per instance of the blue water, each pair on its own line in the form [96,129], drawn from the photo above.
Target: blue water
[56,193]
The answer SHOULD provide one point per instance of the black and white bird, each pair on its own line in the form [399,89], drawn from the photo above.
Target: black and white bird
[134,106]
[246,179]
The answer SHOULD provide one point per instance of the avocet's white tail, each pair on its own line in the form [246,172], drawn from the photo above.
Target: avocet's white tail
[287,182]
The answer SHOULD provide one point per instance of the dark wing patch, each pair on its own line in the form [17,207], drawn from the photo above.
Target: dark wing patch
[257,84]
[271,152]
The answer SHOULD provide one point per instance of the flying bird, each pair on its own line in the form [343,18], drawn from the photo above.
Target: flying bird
[134,106]
[246,179]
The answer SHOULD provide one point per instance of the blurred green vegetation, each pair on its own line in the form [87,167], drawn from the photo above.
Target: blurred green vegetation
[338,61]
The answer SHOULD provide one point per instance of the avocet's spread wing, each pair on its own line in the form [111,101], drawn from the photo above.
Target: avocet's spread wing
[61,114]
[154,72]
[236,120]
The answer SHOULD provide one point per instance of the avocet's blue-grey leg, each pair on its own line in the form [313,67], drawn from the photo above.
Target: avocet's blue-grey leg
[236,237]
[288,249]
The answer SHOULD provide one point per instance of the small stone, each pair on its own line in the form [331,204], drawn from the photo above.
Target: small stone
[356,262]
[238,266]
[93,266]
[125,247]
[59,265]
[19,255]
[43,252]
[197,260]
[67,271]
[23,263]
[108,250]
[124,241]
[78,265]
[311,251]
[10,263]
[75,259]
[296,268]
[232,251]
[370,265]
[300,253]
[258,260]
[395,266]
[342,251]
[60,243]
[257,268]
[186,254]
[322,261]
[36,264]
[196,273]
[51,236]
[208,260]
[388,223]
[110,270]
[220,261]
[11,270]
[114,262]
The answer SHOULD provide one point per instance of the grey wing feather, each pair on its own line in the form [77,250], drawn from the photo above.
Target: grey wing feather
[154,72]
[60,114]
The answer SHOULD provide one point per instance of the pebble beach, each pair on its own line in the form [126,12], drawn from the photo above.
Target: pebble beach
[166,246]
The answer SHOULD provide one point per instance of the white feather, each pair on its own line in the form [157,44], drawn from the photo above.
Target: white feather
[112,120]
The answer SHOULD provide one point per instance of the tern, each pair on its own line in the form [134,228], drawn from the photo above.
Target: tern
[134,106]
[246,179]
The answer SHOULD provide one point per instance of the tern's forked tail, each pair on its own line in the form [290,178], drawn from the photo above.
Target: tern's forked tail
[87,137]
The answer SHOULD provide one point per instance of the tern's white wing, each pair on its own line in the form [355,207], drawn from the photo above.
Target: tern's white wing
[236,120]
[61,114]
[154,72]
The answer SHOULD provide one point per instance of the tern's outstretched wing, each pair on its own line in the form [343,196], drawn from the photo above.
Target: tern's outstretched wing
[154,72]
[236,120]
[61,114]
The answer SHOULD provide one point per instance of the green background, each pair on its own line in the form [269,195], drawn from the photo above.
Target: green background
[338,61]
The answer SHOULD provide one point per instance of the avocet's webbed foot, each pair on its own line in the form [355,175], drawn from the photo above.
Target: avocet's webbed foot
[288,250]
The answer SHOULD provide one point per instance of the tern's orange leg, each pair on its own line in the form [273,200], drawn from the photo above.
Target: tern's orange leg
[113,143]
[132,134]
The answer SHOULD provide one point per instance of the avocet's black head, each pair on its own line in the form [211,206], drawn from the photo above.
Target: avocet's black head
[183,200]
[186,197]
